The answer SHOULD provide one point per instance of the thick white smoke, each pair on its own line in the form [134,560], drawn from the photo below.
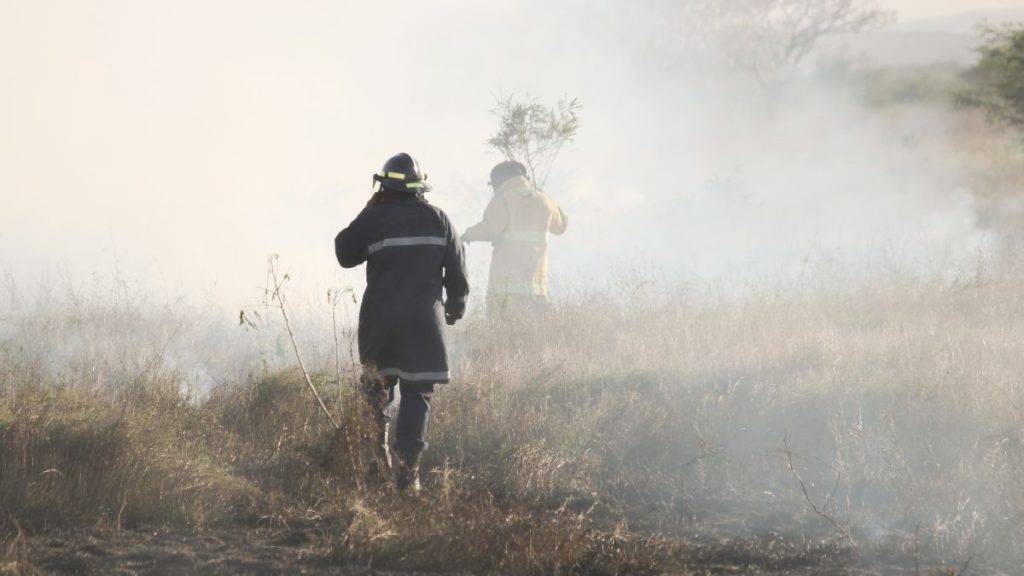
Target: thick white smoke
[177,147]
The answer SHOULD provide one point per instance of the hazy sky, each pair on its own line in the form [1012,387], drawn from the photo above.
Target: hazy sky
[177,143]
[914,9]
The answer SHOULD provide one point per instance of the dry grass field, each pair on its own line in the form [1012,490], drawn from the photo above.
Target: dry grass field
[872,430]
[868,427]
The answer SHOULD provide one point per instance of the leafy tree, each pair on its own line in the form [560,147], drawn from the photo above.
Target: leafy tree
[534,134]
[996,82]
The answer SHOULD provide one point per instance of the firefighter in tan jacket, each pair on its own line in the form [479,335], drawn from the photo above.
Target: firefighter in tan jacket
[516,223]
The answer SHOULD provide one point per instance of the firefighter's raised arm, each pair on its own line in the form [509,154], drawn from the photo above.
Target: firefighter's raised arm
[493,224]
[351,244]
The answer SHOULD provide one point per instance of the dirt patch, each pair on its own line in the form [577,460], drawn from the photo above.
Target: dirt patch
[231,550]
[305,550]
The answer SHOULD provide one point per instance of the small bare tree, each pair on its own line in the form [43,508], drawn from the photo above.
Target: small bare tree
[534,134]
[768,39]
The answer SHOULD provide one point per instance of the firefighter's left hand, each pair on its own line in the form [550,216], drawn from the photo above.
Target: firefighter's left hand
[451,319]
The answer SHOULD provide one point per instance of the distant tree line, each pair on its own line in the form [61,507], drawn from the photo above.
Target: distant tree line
[768,40]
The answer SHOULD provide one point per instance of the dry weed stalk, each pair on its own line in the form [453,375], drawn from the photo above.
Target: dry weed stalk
[820,511]
[276,294]
[336,297]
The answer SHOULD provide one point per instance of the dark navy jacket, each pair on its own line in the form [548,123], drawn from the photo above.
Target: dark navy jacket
[411,251]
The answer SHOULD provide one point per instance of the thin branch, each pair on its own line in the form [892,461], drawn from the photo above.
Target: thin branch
[803,487]
[332,299]
[278,295]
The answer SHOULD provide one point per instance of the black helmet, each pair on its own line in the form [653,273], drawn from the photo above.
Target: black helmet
[506,170]
[401,173]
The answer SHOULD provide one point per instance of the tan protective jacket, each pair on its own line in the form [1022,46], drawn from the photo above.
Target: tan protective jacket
[517,223]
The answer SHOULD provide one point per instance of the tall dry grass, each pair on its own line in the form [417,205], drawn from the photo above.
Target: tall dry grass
[647,434]
[867,421]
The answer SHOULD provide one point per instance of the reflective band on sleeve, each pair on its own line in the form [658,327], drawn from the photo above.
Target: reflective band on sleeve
[416,376]
[412,241]
[525,236]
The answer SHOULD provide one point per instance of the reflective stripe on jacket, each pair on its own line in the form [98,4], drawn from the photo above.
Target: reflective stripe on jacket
[412,252]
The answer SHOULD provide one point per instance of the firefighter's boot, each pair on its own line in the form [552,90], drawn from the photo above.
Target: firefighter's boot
[380,471]
[407,471]
[379,464]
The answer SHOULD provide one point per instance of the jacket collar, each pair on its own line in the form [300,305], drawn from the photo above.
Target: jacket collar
[389,197]
[517,184]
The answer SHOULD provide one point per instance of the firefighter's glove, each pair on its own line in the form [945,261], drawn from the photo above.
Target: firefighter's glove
[453,310]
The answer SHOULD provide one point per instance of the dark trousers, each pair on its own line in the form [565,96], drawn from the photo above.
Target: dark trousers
[410,432]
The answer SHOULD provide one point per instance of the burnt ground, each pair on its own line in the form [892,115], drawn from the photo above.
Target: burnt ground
[173,552]
[224,550]
[258,551]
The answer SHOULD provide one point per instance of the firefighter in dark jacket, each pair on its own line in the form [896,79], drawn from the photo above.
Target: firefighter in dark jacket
[412,251]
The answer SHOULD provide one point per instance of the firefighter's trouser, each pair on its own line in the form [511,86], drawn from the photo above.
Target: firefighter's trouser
[410,433]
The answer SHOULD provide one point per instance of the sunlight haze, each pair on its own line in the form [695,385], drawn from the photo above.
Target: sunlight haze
[175,145]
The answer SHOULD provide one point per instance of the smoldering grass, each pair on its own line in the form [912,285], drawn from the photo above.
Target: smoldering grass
[611,437]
